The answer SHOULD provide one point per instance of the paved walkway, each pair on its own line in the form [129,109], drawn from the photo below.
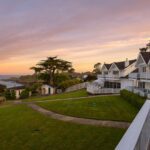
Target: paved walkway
[115,124]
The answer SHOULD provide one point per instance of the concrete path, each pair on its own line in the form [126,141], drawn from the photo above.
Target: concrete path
[114,124]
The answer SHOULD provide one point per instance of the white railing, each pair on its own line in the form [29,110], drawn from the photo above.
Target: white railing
[132,140]
[139,91]
[133,75]
[109,76]
[143,75]
[92,89]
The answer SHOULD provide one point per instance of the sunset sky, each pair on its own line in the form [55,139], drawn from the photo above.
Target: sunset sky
[81,31]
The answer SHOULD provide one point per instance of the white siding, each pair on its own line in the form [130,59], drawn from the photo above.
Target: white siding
[18,92]
[147,85]
[125,83]
[47,90]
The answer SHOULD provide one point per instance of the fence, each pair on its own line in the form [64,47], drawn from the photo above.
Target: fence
[93,89]
[77,87]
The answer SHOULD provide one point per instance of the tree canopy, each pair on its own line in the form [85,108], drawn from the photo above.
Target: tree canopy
[97,68]
[47,69]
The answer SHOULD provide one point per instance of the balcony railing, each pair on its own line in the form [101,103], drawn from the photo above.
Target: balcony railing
[143,75]
[137,136]
[133,75]
[98,90]
[109,76]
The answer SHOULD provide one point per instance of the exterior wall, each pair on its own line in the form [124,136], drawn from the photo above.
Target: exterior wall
[147,85]
[104,69]
[52,91]
[18,92]
[125,83]
[45,90]
[112,69]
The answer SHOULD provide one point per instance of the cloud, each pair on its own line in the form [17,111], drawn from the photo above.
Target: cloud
[75,30]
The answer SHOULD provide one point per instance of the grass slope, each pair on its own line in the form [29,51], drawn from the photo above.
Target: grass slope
[103,107]
[75,94]
[24,129]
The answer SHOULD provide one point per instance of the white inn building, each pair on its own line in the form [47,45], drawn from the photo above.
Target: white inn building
[142,76]
[133,75]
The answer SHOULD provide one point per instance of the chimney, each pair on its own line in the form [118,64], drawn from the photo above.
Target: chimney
[126,62]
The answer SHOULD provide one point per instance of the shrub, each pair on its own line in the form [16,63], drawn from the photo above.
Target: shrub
[13,94]
[132,98]
[2,89]
[34,88]
[10,95]
[24,94]
[61,77]
[69,83]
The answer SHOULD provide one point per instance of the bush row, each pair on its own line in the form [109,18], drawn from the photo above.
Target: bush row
[132,98]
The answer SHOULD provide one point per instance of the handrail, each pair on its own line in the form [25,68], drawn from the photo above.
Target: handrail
[130,139]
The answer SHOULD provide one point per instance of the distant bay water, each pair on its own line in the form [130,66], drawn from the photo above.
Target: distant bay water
[9,84]
[2,77]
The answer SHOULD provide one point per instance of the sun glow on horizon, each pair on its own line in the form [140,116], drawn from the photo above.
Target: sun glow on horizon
[71,32]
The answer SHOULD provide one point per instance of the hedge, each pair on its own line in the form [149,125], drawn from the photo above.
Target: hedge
[132,98]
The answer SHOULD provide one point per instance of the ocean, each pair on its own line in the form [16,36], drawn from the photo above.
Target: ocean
[2,77]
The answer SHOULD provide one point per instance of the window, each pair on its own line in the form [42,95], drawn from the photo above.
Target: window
[115,72]
[106,72]
[144,69]
[113,85]
[141,85]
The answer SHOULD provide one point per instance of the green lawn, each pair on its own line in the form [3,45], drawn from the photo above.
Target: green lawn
[75,94]
[21,128]
[103,107]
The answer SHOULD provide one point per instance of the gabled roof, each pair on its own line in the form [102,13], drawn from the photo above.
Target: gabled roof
[132,61]
[135,71]
[107,66]
[146,56]
[121,65]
